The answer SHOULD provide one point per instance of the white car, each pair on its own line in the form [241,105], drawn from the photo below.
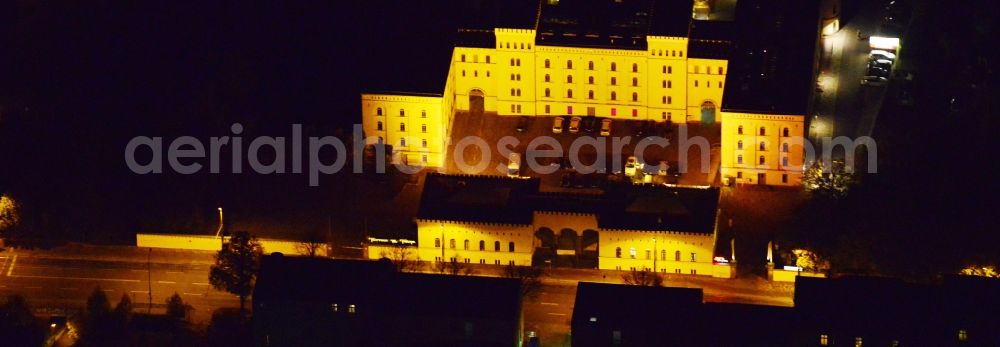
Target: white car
[514,166]
[557,125]
[606,127]
[630,166]
[574,125]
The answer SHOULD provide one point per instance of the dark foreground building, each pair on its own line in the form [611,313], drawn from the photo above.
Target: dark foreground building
[324,302]
[846,311]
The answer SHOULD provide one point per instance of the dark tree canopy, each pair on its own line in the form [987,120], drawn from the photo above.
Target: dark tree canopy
[236,266]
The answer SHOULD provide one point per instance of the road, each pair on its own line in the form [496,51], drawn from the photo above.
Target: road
[58,282]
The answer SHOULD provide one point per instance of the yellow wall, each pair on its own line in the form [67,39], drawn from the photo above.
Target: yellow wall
[422,119]
[665,248]
[429,231]
[774,140]
[212,243]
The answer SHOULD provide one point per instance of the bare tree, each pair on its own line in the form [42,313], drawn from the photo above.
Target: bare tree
[313,244]
[643,277]
[530,277]
[402,257]
[454,267]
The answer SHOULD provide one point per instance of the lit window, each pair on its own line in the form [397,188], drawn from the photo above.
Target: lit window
[352,309]
[614,111]
[569,109]
[858,341]
[334,307]
[631,252]
[963,335]
[648,254]
[694,256]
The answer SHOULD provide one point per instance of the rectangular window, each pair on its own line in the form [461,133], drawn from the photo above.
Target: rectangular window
[569,109]
[614,111]
[784,178]
[694,256]
[547,109]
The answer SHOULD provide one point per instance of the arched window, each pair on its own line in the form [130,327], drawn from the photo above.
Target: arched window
[590,94]
[635,82]
[739,159]
[590,80]
[784,161]
[569,79]
[569,93]
[547,78]
[677,255]
[518,91]
[482,245]
[508,45]
[614,67]
[663,84]
[784,147]
[739,144]
[379,126]
[569,64]
[465,245]
[496,246]
[518,61]
[635,67]
[378,111]
[784,132]
[451,243]
[463,58]
[522,45]
[614,81]
[512,92]
[402,112]
[437,242]
[680,54]
[673,53]
[664,69]
[670,69]
[664,99]
[761,160]
[635,96]
[670,100]
[548,93]
[402,126]
[761,131]
[546,63]
[590,65]
[670,84]
[720,70]
[511,61]
[739,130]
[762,146]
[618,252]
[614,96]
[475,73]
[510,246]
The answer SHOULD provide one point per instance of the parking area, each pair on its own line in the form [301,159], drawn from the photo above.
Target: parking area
[617,146]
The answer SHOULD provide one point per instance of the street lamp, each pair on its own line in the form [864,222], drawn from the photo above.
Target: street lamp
[219,232]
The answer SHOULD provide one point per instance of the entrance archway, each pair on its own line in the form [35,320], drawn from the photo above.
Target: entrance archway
[589,246]
[477,102]
[545,247]
[707,112]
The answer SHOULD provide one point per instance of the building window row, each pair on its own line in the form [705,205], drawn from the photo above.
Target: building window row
[590,65]
[515,62]
[515,108]
[663,254]
[667,53]
[507,45]
[515,77]
[482,245]
[515,92]
[475,58]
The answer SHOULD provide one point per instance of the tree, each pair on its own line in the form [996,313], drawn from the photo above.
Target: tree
[402,258]
[834,181]
[643,277]
[176,308]
[99,325]
[18,326]
[530,277]
[454,267]
[236,266]
[313,244]
[123,311]
[9,213]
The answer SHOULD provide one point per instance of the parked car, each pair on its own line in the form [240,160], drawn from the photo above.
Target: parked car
[574,125]
[514,166]
[873,81]
[606,127]
[522,124]
[557,125]
[630,166]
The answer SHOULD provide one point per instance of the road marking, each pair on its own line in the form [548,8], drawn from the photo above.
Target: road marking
[549,303]
[11,268]
[166,282]
[77,278]
[200,284]
[556,314]
[195,294]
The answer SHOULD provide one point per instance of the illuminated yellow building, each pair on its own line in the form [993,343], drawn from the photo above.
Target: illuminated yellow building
[501,221]
[638,60]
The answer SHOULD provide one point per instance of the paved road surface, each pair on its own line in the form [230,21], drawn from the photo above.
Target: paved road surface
[57,282]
